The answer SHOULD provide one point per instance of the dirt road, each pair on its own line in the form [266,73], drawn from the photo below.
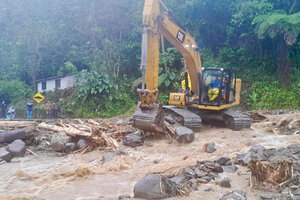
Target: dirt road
[107,175]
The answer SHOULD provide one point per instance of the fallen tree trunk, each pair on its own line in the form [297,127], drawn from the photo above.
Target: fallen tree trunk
[17,124]
[68,130]
[10,136]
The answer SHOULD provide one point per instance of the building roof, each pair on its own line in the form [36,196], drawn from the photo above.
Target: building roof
[54,77]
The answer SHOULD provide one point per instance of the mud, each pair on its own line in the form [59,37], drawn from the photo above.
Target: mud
[107,175]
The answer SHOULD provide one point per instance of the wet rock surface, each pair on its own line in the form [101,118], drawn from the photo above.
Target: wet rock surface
[81,143]
[225,182]
[5,155]
[17,148]
[235,195]
[222,160]
[59,140]
[230,168]
[154,186]
[211,147]
[134,140]
[69,148]
[184,134]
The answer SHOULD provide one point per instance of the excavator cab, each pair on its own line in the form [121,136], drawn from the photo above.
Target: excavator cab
[217,87]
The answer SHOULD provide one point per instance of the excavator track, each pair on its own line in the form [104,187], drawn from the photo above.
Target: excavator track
[184,117]
[236,120]
[149,119]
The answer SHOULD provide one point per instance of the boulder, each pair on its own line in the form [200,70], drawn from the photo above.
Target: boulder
[199,173]
[70,147]
[81,143]
[235,195]
[222,160]
[269,196]
[184,134]
[225,182]
[257,148]
[177,180]
[294,146]
[211,147]
[154,186]
[17,148]
[230,168]
[59,140]
[239,159]
[188,172]
[134,139]
[218,168]
[5,155]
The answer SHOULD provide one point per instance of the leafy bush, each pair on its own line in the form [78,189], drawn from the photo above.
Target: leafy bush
[270,96]
[16,91]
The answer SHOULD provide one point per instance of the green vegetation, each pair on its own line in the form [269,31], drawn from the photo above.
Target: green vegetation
[101,39]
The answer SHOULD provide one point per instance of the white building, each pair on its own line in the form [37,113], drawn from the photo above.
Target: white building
[56,83]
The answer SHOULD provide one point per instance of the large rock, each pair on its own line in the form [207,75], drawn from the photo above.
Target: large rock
[154,186]
[188,172]
[235,195]
[70,147]
[225,182]
[134,140]
[17,148]
[222,160]
[230,168]
[5,155]
[217,168]
[81,143]
[184,134]
[59,140]
[239,159]
[211,147]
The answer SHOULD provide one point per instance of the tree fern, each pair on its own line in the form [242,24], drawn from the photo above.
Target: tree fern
[277,23]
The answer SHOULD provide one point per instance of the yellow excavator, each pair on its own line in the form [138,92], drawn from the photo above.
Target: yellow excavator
[207,92]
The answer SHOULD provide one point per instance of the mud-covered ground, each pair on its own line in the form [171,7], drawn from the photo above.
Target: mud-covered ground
[107,175]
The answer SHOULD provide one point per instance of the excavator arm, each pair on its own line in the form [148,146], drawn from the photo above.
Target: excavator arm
[149,114]
[155,25]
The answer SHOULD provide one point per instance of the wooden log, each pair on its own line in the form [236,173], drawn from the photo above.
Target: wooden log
[68,130]
[17,124]
[10,136]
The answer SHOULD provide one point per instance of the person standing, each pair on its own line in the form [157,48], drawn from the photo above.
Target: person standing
[48,109]
[29,109]
[13,113]
[3,109]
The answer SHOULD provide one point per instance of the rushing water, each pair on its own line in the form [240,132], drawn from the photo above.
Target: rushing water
[105,175]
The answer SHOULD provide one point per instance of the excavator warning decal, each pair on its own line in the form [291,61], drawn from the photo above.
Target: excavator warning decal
[181,36]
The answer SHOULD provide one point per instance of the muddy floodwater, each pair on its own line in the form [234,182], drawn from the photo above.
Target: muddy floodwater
[107,175]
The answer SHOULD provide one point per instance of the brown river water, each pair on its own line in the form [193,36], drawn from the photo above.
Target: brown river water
[105,175]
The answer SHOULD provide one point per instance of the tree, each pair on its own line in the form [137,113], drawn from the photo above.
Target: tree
[283,28]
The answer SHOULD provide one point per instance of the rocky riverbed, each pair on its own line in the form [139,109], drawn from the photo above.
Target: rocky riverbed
[209,162]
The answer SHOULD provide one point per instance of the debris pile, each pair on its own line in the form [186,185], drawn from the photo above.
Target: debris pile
[286,126]
[276,170]
[96,135]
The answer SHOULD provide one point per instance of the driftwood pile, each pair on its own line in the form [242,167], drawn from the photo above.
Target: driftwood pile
[103,135]
[286,126]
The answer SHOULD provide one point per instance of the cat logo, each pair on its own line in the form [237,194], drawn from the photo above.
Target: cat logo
[38,97]
[181,36]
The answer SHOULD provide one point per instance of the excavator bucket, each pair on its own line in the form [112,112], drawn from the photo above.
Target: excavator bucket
[149,119]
